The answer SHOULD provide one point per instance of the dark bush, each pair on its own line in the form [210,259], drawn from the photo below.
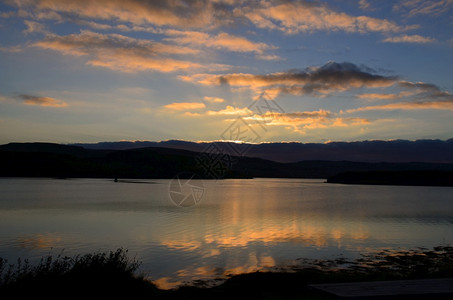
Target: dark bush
[101,274]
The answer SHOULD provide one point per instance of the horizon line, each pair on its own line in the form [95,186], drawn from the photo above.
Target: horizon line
[231,141]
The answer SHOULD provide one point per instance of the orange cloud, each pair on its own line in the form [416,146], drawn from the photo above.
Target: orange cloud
[185,106]
[294,17]
[290,17]
[162,13]
[418,39]
[442,105]
[425,96]
[42,101]
[296,121]
[301,121]
[385,96]
[87,41]
[118,52]
[131,63]
[220,41]
[230,110]
[214,99]
[378,96]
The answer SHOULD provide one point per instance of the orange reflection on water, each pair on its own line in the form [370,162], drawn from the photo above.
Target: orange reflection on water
[233,267]
[39,241]
[310,233]
[232,230]
[253,263]
[166,283]
[223,242]
[182,245]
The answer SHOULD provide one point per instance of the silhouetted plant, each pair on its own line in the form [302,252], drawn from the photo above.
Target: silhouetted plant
[109,272]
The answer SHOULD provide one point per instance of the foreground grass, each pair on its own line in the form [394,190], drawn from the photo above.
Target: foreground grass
[114,274]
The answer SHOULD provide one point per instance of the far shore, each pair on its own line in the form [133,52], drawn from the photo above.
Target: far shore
[404,178]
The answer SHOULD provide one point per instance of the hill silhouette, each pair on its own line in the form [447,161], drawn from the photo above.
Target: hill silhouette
[398,151]
[63,161]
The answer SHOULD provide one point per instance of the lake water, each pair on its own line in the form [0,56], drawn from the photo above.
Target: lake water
[236,226]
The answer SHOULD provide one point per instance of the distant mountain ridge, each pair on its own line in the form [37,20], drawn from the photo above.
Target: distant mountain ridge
[56,160]
[435,151]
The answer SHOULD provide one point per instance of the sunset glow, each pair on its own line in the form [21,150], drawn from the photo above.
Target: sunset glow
[91,71]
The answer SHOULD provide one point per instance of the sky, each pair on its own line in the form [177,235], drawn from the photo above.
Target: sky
[251,71]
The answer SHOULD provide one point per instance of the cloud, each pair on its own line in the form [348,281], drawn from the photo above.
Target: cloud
[287,16]
[87,42]
[230,110]
[120,27]
[12,49]
[305,114]
[420,105]
[423,7]
[34,27]
[269,57]
[127,63]
[426,90]
[365,5]
[222,41]
[178,106]
[296,121]
[385,96]
[42,101]
[314,80]
[177,13]
[424,96]
[422,86]
[290,17]
[418,39]
[8,14]
[378,96]
[4,99]
[304,16]
[302,121]
[122,53]
[96,25]
[213,99]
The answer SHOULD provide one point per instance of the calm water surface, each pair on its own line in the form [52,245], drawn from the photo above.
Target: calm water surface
[238,226]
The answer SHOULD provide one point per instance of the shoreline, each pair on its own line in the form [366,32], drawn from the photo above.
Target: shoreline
[290,283]
[402,264]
